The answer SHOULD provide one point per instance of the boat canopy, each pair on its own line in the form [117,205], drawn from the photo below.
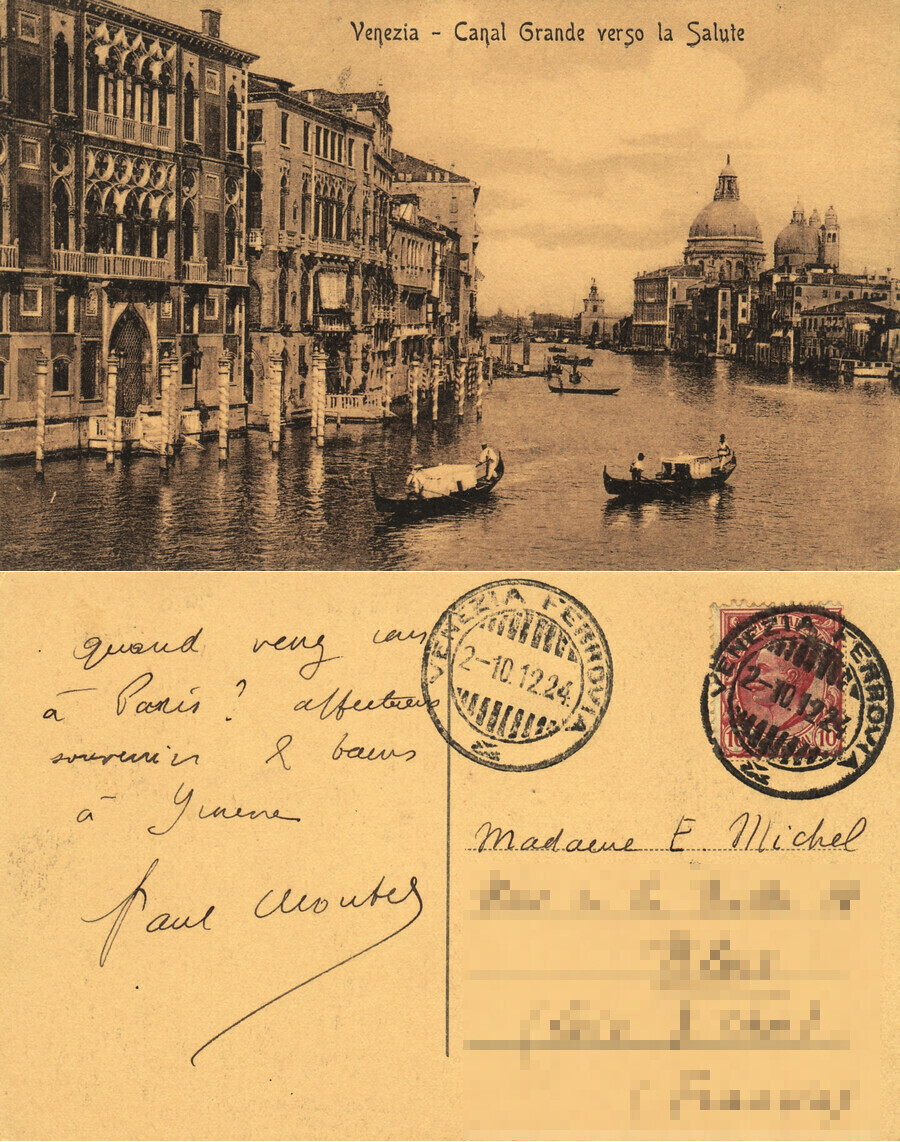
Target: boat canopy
[685,465]
[444,479]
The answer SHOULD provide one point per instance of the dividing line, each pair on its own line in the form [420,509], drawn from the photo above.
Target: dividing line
[447,908]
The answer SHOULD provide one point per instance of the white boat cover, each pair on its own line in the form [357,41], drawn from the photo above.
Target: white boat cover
[447,478]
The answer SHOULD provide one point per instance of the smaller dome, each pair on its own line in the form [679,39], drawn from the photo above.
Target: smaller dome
[797,238]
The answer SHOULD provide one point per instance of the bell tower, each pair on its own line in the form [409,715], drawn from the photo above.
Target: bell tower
[831,240]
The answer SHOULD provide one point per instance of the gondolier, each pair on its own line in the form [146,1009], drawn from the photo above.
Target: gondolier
[489,459]
[724,452]
[637,467]
[414,483]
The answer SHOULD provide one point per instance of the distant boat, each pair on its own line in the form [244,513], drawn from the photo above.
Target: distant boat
[681,475]
[575,362]
[872,370]
[415,507]
[576,388]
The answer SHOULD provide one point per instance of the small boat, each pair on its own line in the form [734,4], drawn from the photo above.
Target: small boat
[414,507]
[571,388]
[575,362]
[680,476]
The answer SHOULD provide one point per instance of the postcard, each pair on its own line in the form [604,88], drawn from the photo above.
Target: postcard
[450,856]
[303,285]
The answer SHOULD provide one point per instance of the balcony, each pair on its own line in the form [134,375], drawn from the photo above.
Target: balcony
[332,322]
[195,271]
[237,275]
[335,246]
[128,130]
[112,265]
[287,239]
[256,239]
[9,257]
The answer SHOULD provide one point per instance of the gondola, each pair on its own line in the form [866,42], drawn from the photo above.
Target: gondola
[414,507]
[570,388]
[575,362]
[677,482]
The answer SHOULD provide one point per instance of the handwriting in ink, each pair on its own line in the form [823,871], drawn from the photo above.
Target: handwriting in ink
[399,636]
[310,668]
[329,708]
[166,705]
[163,922]
[361,753]
[128,757]
[183,800]
[94,650]
[373,897]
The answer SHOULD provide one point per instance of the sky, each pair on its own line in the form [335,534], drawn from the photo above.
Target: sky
[593,157]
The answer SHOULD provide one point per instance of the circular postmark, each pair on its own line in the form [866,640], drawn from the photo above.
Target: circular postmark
[517,674]
[798,701]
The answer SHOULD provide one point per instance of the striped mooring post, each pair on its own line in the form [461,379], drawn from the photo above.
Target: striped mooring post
[40,420]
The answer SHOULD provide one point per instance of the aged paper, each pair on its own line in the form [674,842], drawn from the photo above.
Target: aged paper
[311,857]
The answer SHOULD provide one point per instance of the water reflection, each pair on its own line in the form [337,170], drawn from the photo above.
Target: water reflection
[805,451]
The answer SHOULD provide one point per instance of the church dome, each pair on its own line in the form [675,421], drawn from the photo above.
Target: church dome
[725,224]
[798,242]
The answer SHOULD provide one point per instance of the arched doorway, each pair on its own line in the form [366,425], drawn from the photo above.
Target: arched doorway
[131,342]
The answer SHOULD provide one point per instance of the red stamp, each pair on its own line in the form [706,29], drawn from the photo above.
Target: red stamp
[798,701]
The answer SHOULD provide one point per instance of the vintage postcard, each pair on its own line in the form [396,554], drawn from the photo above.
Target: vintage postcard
[450,856]
[303,285]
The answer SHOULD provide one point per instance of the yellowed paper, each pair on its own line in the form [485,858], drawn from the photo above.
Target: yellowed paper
[252,891]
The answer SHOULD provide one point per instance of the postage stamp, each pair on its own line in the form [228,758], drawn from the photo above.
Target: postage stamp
[798,701]
[517,674]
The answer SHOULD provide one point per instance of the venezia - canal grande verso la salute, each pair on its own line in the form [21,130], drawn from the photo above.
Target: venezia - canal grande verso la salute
[241,328]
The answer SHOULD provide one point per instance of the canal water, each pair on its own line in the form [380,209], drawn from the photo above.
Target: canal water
[817,485]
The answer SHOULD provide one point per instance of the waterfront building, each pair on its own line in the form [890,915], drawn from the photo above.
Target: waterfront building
[318,245]
[661,301]
[593,321]
[450,199]
[855,328]
[122,247]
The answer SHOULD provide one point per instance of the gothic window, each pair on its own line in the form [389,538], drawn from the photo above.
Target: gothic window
[145,234]
[188,109]
[339,216]
[60,74]
[254,201]
[282,203]
[254,126]
[92,81]
[304,297]
[187,232]
[93,222]
[60,216]
[304,208]
[110,94]
[231,245]
[231,127]
[162,232]
[165,81]
[130,225]
[282,297]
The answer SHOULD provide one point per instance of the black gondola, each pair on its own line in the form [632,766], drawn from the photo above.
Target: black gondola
[570,388]
[414,507]
[673,486]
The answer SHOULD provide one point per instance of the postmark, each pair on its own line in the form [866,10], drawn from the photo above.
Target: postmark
[798,701]
[517,674]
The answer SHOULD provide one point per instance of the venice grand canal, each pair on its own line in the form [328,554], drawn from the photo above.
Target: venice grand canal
[817,486]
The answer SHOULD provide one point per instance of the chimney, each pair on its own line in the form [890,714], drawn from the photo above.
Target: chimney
[212,22]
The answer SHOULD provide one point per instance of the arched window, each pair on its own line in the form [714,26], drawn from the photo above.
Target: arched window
[131,225]
[231,120]
[188,109]
[60,74]
[110,220]
[254,201]
[304,298]
[163,226]
[60,216]
[165,82]
[339,216]
[282,203]
[61,375]
[282,297]
[187,232]
[93,222]
[231,245]
[92,81]
[145,237]
[304,208]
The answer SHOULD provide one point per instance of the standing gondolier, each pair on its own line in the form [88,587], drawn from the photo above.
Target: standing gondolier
[637,467]
[724,452]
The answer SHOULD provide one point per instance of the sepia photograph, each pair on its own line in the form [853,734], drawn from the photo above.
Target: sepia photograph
[288,285]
